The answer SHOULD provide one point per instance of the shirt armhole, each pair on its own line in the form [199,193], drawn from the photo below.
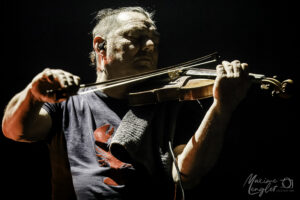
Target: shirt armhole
[54,110]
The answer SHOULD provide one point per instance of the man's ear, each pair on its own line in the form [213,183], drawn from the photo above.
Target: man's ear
[99,46]
[100,51]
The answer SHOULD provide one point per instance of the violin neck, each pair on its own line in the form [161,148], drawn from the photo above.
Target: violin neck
[211,73]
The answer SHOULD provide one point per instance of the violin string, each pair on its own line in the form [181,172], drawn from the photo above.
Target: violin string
[136,79]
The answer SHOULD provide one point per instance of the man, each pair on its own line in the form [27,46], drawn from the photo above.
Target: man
[79,129]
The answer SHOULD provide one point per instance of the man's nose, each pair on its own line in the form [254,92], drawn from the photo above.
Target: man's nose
[148,45]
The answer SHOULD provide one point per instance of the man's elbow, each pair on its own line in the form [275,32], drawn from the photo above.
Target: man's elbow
[188,181]
[9,134]
[13,133]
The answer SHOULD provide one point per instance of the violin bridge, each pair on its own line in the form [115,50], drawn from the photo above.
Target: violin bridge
[173,75]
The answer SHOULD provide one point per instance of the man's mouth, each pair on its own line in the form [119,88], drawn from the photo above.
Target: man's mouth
[143,59]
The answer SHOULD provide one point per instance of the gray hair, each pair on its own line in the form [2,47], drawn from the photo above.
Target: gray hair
[106,22]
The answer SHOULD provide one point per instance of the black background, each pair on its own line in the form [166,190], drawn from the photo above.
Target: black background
[261,138]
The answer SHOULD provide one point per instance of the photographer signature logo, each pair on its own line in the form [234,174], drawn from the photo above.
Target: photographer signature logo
[259,185]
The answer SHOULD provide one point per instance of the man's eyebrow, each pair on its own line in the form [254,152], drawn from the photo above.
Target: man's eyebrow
[154,32]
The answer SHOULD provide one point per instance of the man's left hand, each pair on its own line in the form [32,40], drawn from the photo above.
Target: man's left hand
[231,84]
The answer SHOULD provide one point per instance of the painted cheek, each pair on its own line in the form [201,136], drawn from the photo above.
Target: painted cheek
[117,52]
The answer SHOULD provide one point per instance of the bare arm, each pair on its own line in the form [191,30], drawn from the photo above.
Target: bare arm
[24,119]
[201,152]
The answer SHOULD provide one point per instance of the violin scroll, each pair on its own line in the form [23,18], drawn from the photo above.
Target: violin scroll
[280,89]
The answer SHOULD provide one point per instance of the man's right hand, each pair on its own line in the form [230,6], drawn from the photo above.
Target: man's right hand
[54,85]
[24,119]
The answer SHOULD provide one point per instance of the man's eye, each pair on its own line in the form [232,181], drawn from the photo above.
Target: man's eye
[134,39]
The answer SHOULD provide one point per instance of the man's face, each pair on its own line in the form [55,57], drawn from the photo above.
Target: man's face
[132,47]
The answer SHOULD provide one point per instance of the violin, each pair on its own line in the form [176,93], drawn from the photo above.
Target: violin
[182,82]
[197,84]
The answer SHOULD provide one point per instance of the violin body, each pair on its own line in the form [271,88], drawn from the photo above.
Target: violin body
[184,88]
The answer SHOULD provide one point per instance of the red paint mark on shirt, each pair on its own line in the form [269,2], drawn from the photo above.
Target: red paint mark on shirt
[106,159]
[109,181]
[102,134]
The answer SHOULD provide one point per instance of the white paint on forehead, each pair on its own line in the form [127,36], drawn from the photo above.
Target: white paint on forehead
[133,16]
[130,20]
[124,16]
